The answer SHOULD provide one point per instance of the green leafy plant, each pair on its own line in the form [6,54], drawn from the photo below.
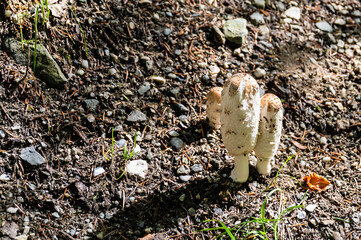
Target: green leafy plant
[36,35]
[255,226]
[128,155]
[81,29]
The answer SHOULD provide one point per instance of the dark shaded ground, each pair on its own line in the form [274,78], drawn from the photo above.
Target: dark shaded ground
[63,200]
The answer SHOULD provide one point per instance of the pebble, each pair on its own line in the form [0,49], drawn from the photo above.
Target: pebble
[12,210]
[301,214]
[293,12]
[185,178]
[327,222]
[197,168]
[91,104]
[145,87]
[4,177]
[356,13]
[158,79]
[182,197]
[323,140]
[98,171]
[260,3]
[191,212]
[264,30]
[80,72]
[178,52]
[2,134]
[112,71]
[311,207]
[21,237]
[235,30]
[259,73]
[55,214]
[173,133]
[136,116]
[180,108]
[85,64]
[202,64]
[214,69]
[91,118]
[177,143]
[326,159]
[172,76]
[340,22]
[30,155]
[257,18]
[324,26]
[339,106]
[183,170]
[137,168]
[167,31]
[332,90]
[128,92]
[218,35]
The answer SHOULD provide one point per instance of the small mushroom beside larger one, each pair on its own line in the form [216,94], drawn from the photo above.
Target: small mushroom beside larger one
[214,107]
[239,121]
[270,128]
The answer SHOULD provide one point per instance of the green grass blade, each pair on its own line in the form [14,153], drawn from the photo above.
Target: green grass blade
[36,35]
[275,178]
[81,29]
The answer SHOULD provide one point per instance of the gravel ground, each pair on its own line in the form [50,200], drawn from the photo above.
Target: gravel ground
[143,73]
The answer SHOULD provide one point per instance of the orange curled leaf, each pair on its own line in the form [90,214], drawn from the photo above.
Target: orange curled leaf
[316,182]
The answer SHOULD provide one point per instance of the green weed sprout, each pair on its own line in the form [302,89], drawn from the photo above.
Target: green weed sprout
[77,20]
[246,227]
[36,35]
[45,7]
[127,155]
[275,178]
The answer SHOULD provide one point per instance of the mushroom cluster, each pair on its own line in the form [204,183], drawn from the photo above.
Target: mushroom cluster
[247,122]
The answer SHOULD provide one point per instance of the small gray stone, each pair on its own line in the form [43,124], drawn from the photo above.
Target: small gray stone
[340,22]
[183,170]
[324,26]
[260,3]
[112,71]
[10,229]
[191,212]
[5,177]
[356,13]
[2,134]
[12,210]
[80,72]
[137,168]
[172,76]
[259,73]
[136,116]
[356,217]
[293,12]
[264,30]
[30,155]
[327,222]
[85,64]
[180,108]
[218,35]
[178,52]
[197,168]
[235,30]
[158,79]
[91,104]
[167,31]
[336,236]
[145,87]
[301,214]
[22,237]
[280,6]
[173,133]
[185,178]
[311,207]
[121,143]
[257,18]
[91,118]
[98,171]
[149,65]
[55,214]
[177,143]
[323,140]
[182,197]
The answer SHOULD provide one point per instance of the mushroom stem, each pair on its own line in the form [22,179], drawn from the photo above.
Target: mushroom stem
[264,166]
[240,171]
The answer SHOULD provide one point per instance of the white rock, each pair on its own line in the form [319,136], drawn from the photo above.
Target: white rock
[323,140]
[326,159]
[311,207]
[293,12]
[340,21]
[4,177]
[21,237]
[339,106]
[257,18]
[157,79]
[137,168]
[259,73]
[12,210]
[324,26]
[214,69]
[98,171]
[264,30]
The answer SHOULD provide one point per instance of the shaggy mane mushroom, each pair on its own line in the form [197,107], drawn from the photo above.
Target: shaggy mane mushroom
[214,107]
[270,129]
[239,121]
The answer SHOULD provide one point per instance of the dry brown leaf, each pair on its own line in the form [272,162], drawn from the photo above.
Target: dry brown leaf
[316,182]
[299,145]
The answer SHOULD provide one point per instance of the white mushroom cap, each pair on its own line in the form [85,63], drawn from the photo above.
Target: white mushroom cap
[239,120]
[214,107]
[270,128]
